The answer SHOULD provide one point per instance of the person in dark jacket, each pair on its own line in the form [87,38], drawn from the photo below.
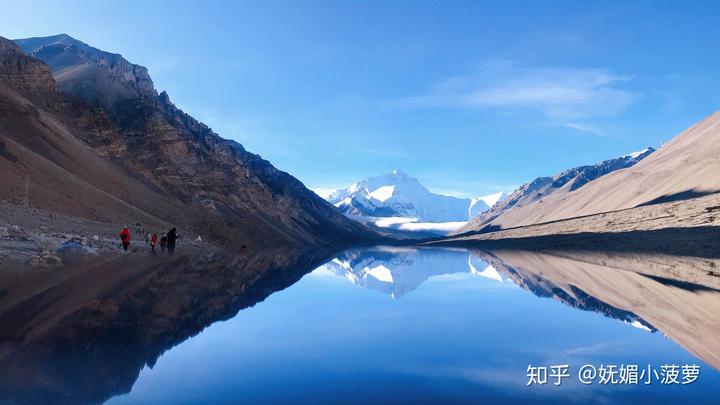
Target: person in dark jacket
[153,243]
[163,243]
[125,238]
[172,237]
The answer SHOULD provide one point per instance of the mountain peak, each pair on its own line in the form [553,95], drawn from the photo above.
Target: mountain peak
[75,64]
[397,194]
[34,44]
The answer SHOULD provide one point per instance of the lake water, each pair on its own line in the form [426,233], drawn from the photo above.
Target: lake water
[406,325]
[376,325]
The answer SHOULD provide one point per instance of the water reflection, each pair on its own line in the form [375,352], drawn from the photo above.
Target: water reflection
[85,334]
[678,295]
[396,271]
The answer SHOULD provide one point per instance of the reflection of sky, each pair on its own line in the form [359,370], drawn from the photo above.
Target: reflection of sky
[457,336]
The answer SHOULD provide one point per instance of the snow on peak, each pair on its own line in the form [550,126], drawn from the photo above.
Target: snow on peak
[383,193]
[492,199]
[397,194]
[635,155]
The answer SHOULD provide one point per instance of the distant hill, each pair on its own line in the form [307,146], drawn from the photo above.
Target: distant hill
[685,168]
[563,183]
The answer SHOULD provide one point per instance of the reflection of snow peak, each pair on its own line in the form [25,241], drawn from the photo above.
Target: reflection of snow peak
[639,325]
[489,272]
[381,273]
[395,271]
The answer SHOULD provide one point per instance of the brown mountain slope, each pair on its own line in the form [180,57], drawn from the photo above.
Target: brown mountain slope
[131,156]
[686,167]
[44,163]
[564,182]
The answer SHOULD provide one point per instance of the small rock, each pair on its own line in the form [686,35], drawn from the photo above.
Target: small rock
[4,232]
[72,252]
[95,237]
[46,258]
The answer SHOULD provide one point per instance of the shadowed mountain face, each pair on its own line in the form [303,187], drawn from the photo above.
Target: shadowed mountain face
[148,161]
[82,335]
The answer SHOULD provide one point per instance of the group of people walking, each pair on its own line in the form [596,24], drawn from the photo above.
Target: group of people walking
[167,241]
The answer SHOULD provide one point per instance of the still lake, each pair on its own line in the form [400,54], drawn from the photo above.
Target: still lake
[438,325]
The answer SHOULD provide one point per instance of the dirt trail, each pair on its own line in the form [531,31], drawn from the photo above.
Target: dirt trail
[31,237]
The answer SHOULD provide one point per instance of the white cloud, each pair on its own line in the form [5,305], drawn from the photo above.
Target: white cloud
[559,93]
[584,128]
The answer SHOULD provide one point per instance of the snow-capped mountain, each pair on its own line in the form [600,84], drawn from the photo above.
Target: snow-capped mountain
[398,194]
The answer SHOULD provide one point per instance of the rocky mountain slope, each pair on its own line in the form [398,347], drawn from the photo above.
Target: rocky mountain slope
[685,168]
[398,194]
[562,183]
[107,147]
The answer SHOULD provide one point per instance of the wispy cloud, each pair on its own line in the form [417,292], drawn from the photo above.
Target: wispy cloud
[584,128]
[559,93]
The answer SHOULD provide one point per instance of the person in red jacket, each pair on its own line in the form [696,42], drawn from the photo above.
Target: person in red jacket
[153,243]
[125,238]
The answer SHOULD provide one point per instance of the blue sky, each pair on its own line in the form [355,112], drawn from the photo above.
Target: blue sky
[470,97]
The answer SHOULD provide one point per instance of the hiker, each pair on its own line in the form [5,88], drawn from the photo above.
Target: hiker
[163,243]
[125,238]
[147,238]
[171,237]
[153,243]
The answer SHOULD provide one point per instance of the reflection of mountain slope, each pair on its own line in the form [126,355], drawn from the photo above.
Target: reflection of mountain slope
[397,271]
[83,335]
[628,287]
